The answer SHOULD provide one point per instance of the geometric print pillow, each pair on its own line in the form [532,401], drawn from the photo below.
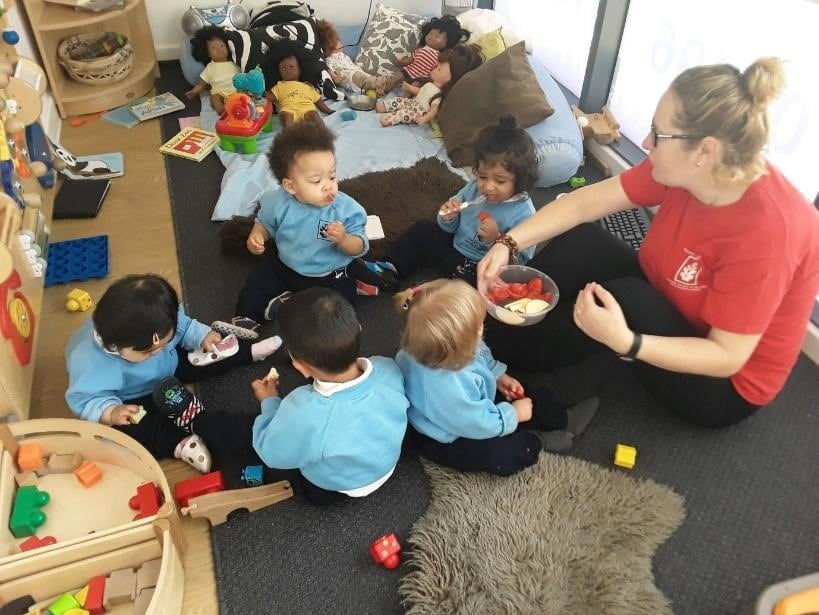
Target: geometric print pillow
[390,34]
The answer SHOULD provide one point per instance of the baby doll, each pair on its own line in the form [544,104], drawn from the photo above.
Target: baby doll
[452,65]
[295,100]
[437,34]
[343,70]
[209,45]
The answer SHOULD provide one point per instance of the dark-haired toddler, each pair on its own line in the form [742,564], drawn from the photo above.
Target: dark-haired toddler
[497,200]
[317,230]
[133,353]
[340,436]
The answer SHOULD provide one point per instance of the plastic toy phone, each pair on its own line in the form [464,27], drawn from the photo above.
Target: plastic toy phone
[17,321]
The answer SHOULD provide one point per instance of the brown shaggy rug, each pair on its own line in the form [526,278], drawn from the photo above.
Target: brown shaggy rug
[398,196]
[565,536]
[401,196]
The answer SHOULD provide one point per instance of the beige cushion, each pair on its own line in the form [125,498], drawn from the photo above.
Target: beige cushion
[503,85]
[491,44]
[390,34]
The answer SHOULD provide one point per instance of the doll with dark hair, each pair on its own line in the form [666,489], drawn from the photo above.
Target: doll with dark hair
[133,353]
[294,96]
[437,34]
[210,46]
[421,104]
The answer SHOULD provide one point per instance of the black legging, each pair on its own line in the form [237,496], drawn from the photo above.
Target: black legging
[589,253]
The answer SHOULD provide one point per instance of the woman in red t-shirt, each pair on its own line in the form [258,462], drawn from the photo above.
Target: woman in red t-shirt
[715,308]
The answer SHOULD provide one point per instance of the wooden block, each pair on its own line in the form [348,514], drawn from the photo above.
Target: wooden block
[148,574]
[93,602]
[29,456]
[25,478]
[88,473]
[135,419]
[143,601]
[42,471]
[120,588]
[64,464]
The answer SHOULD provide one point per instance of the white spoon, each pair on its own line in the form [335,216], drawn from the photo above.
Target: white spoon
[482,199]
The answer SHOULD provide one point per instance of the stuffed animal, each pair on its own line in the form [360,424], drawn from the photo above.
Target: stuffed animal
[602,127]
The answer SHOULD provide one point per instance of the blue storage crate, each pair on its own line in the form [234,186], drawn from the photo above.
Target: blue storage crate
[77,260]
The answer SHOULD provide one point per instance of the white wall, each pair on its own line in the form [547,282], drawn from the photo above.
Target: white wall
[165,16]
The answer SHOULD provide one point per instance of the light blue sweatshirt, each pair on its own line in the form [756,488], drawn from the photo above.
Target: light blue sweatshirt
[466,226]
[446,405]
[297,230]
[341,441]
[98,379]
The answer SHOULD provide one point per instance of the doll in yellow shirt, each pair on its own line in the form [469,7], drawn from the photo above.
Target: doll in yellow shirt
[294,99]
[219,72]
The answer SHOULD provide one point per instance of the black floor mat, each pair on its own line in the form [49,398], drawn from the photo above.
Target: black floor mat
[751,490]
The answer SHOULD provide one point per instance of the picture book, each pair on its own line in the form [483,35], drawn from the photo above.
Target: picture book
[191,143]
[98,166]
[121,116]
[154,106]
[76,199]
[185,122]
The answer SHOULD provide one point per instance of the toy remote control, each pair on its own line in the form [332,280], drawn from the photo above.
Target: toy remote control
[228,347]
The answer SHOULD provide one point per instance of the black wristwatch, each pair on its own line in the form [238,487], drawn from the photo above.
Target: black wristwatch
[631,353]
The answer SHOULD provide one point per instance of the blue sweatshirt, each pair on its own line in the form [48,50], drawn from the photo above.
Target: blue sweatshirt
[466,226]
[446,405]
[98,379]
[341,441]
[297,230]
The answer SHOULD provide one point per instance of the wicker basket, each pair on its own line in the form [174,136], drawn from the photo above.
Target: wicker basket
[99,71]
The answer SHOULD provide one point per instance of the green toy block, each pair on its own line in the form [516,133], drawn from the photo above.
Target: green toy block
[64,603]
[577,182]
[26,515]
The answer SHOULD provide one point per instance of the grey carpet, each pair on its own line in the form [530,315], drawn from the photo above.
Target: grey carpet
[575,538]
[750,490]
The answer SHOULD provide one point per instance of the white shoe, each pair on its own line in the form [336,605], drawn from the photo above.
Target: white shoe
[193,451]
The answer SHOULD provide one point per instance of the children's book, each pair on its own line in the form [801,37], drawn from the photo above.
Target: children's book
[185,122]
[154,106]
[191,143]
[98,166]
[373,229]
[77,199]
[121,116]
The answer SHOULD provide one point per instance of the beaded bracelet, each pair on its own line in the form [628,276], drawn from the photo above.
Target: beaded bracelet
[510,243]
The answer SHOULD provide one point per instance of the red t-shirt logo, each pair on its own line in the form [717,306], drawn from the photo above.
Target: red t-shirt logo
[689,271]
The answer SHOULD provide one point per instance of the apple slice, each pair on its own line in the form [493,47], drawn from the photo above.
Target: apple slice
[518,306]
[510,318]
[535,306]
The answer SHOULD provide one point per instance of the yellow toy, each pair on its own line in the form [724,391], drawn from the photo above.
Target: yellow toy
[78,301]
[625,456]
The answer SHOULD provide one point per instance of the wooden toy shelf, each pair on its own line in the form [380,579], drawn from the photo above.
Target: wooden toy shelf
[51,23]
[93,526]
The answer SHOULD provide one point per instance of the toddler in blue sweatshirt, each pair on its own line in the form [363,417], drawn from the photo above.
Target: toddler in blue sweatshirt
[505,168]
[465,410]
[317,230]
[342,434]
[134,352]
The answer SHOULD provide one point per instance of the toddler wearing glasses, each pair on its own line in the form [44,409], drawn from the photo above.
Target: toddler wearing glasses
[133,356]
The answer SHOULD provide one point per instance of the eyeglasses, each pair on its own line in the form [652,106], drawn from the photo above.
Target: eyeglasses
[655,136]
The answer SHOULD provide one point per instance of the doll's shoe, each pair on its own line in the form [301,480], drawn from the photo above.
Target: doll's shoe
[176,402]
[192,450]
[381,274]
[242,327]
[272,309]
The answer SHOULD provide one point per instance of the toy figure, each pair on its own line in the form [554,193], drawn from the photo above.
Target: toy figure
[343,70]
[295,99]
[422,104]
[438,34]
[211,44]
